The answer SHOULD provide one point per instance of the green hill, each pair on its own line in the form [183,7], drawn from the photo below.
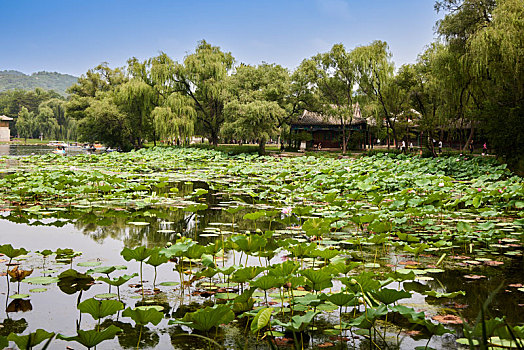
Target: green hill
[11,79]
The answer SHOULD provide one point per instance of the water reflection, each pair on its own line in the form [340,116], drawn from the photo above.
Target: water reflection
[18,305]
[27,150]
[163,225]
[9,325]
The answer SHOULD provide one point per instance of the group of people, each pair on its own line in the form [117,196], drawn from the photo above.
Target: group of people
[403,146]
[484,147]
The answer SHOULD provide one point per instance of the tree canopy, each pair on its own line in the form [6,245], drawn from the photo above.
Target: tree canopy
[467,85]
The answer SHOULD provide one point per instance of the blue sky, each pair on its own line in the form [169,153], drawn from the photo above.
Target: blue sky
[72,36]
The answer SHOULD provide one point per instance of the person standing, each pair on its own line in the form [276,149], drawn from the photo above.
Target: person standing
[471,146]
[403,147]
[440,146]
[485,148]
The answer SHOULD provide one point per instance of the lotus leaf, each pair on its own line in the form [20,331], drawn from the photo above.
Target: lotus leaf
[31,340]
[209,317]
[261,319]
[435,294]
[92,337]
[389,296]
[298,323]
[10,252]
[100,308]
[143,317]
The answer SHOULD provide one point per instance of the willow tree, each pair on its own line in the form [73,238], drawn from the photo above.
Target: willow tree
[66,124]
[334,76]
[375,78]
[137,100]
[496,56]
[25,123]
[258,98]
[174,121]
[463,18]
[202,78]
[257,120]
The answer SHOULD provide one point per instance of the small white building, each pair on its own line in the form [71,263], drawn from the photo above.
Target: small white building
[5,133]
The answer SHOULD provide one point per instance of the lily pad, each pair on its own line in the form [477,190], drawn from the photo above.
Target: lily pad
[19,296]
[89,263]
[169,284]
[139,223]
[106,296]
[41,280]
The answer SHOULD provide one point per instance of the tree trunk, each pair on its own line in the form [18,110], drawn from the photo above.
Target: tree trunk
[214,138]
[262,146]
[470,137]
[387,134]
[344,142]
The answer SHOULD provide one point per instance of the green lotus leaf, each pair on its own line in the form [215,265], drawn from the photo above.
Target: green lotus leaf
[209,317]
[261,319]
[89,264]
[100,308]
[4,343]
[143,317]
[343,299]
[30,340]
[389,296]
[102,269]
[19,296]
[298,323]
[92,337]
[156,258]
[318,279]
[43,280]
[368,319]
[10,252]
[435,294]
[117,281]
[267,282]
[140,253]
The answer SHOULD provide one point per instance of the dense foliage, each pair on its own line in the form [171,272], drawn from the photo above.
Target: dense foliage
[309,249]
[38,113]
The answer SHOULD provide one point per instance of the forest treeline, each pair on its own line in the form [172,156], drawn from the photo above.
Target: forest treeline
[12,80]
[471,78]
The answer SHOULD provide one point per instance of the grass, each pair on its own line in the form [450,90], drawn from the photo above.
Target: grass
[22,141]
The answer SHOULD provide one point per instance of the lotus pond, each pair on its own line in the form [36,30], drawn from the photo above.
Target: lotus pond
[187,248]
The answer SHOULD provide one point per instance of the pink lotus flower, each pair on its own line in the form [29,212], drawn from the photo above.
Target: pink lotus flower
[286,211]
[500,191]
[441,184]
[479,189]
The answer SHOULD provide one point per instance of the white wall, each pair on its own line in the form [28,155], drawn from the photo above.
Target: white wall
[4,134]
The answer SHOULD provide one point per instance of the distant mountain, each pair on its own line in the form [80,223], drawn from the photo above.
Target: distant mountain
[12,79]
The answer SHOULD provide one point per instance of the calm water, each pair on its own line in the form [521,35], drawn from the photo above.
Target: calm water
[26,150]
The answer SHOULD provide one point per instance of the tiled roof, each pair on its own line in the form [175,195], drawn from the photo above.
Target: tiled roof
[312,118]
